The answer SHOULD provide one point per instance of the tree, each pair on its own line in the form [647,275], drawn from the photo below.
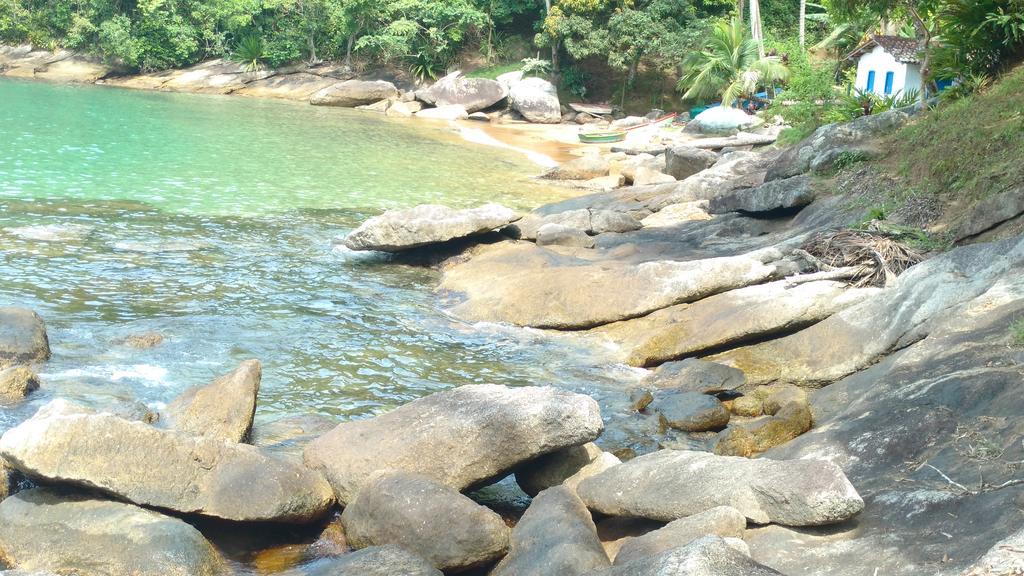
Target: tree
[803,22]
[729,66]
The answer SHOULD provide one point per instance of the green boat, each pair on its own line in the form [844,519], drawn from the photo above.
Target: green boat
[602,137]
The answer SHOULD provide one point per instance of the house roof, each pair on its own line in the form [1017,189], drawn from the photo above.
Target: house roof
[902,49]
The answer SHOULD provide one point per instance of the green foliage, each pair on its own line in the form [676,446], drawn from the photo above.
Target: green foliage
[250,52]
[808,96]
[729,66]
[1017,333]
[535,67]
[575,81]
[979,37]
[848,158]
[492,72]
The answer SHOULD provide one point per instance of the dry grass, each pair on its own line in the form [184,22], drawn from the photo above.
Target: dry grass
[877,257]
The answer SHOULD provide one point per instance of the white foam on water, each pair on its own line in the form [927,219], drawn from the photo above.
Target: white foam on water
[478,136]
[148,375]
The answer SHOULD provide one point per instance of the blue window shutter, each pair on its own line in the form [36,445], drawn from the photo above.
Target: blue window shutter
[871,81]
[888,82]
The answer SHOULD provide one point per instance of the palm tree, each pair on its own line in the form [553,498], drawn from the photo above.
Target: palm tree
[729,66]
[803,22]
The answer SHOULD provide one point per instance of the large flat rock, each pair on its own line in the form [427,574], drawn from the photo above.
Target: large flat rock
[398,230]
[46,530]
[352,93]
[22,337]
[462,436]
[771,197]
[567,293]
[670,484]
[722,521]
[151,467]
[708,556]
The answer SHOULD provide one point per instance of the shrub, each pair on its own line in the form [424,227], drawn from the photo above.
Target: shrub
[536,67]
[1017,333]
[250,52]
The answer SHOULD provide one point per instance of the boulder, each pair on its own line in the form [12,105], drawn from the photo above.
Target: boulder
[582,168]
[426,517]
[990,213]
[559,235]
[723,521]
[783,425]
[404,109]
[473,94]
[11,481]
[708,556]
[508,79]
[696,375]
[644,176]
[389,560]
[536,99]
[43,529]
[722,120]
[380,106]
[352,93]
[161,469]
[17,382]
[143,340]
[690,411]
[398,230]
[482,431]
[681,162]
[670,484]
[676,214]
[732,171]
[774,196]
[628,166]
[222,409]
[22,337]
[568,466]
[555,537]
[450,112]
[609,182]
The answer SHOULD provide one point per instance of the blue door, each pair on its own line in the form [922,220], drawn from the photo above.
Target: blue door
[871,81]
[888,82]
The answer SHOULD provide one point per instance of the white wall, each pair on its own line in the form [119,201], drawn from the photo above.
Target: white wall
[904,75]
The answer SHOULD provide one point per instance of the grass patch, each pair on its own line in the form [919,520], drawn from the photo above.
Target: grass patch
[794,135]
[1017,333]
[492,72]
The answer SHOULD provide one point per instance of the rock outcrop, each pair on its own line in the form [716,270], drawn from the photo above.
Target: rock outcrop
[668,484]
[770,197]
[708,556]
[352,93]
[398,230]
[723,521]
[427,518]
[222,409]
[151,467]
[22,337]
[536,99]
[476,433]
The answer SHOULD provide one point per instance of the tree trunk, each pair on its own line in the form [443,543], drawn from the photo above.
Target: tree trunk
[755,26]
[741,8]
[348,48]
[803,22]
[924,43]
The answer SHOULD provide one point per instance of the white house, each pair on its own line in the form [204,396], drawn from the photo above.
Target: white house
[887,65]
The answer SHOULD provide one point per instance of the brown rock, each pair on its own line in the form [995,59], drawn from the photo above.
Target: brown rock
[17,382]
[222,409]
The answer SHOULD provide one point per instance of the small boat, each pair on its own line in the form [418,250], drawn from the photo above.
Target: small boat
[602,137]
[665,120]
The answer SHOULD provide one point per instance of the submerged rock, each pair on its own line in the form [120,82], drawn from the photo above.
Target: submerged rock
[352,93]
[151,467]
[536,99]
[583,168]
[52,232]
[22,337]
[463,436]
[708,556]
[17,382]
[42,529]
[427,518]
[723,521]
[398,230]
[555,537]
[222,409]
[389,560]
[670,484]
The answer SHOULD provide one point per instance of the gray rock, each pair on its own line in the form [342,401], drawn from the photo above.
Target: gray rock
[352,93]
[537,100]
[450,112]
[773,196]
[151,467]
[404,109]
[563,466]
[42,529]
[582,168]
[473,94]
[670,484]
[1005,558]
[644,176]
[398,230]
[555,537]
[222,409]
[389,560]
[559,235]
[22,337]
[708,556]
[426,517]
[681,162]
[690,411]
[722,120]
[722,521]
[990,212]
[463,436]
[17,382]
[696,375]
[508,79]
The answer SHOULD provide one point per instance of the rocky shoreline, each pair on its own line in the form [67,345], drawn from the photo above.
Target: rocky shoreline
[807,413]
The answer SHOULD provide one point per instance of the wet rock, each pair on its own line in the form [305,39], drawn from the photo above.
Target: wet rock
[559,235]
[159,247]
[52,232]
[389,560]
[640,399]
[151,467]
[604,182]
[696,375]
[352,93]
[404,109]
[748,439]
[676,214]
[682,162]
[723,521]
[22,337]
[690,411]
[222,409]
[584,295]
[670,484]
[291,434]
[42,529]
[568,466]
[450,112]
[774,196]
[143,340]
[583,168]
[483,431]
[426,517]
[398,230]
[555,537]
[722,120]
[473,94]
[536,99]
[380,106]
[708,556]
[17,382]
